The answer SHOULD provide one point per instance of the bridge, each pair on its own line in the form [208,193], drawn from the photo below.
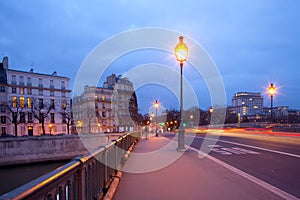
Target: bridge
[240,165]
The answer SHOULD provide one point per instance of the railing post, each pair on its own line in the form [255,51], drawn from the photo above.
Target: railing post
[80,184]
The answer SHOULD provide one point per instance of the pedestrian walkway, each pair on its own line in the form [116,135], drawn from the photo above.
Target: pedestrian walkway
[188,177]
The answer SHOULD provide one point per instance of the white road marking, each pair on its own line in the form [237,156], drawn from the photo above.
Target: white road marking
[245,150]
[220,151]
[253,147]
[214,145]
[249,177]
[233,150]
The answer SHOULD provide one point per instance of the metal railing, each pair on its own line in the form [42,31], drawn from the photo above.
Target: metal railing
[85,177]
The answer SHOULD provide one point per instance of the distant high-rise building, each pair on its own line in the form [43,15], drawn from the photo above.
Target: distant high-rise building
[21,92]
[247,103]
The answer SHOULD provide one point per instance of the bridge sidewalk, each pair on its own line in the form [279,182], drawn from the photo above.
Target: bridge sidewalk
[153,171]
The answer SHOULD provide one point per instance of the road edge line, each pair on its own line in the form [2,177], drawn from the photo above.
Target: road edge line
[253,147]
[249,177]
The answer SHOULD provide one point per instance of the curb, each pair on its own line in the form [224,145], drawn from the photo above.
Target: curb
[113,186]
[117,177]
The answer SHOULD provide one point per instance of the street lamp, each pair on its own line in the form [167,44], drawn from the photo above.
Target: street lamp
[50,128]
[272,91]
[156,106]
[151,119]
[181,53]
[99,127]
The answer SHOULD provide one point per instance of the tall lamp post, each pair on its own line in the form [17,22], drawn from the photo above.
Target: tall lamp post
[181,53]
[151,118]
[271,91]
[156,106]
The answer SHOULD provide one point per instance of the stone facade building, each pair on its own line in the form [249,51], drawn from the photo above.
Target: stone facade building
[111,108]
[31,102]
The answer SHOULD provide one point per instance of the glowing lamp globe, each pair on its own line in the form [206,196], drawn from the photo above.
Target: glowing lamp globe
[272,90]
[181,51]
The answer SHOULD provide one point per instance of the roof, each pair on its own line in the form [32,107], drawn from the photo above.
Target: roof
[34,73]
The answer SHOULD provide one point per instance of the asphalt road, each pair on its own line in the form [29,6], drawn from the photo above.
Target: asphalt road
[275,160]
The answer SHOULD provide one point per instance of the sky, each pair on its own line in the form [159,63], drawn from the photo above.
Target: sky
[253,43]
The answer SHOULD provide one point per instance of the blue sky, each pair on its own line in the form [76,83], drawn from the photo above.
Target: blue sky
[253,43]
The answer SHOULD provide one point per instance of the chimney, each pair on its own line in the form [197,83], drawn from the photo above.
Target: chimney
[5,62]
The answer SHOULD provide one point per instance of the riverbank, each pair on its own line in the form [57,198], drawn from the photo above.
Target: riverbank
[22,150]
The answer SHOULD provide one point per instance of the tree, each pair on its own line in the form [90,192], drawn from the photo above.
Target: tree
[231,118]
[16,109]
[40,111]
[66,115]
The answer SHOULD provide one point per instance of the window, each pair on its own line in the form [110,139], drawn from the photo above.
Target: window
[40,92]
[13,80]
[63,86]
[29,91]
[3,119]
[52,93]
[21,90]
[103,97]
[64,105]
[21,80]
[14,102]
[3,130]
[63,94]
[22,102]
[22,117]
[103,114]
[52,118]
[41,103]
[14,117]
[51,84]
[29,117]
[52,104]
[29,102]
[13,90]
[3,109]
[40,82]
[2,88]
[28,81]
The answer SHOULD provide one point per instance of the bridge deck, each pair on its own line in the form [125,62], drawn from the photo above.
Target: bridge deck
[155,170]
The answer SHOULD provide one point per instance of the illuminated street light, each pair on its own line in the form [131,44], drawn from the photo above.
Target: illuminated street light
[50,127]
[99,127]
[211,110]
[272,91]
[156,106]
[181,53]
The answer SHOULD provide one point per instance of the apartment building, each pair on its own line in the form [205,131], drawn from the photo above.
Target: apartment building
[31,103]
[111,108]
